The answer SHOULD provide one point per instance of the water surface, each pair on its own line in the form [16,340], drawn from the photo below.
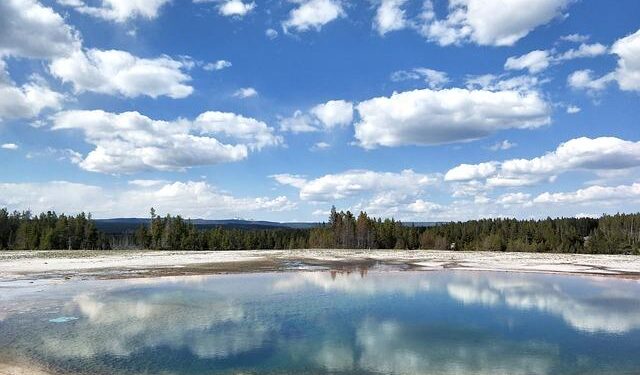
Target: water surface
[376,322]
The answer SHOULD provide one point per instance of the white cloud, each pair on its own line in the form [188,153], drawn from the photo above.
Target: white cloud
[118,10]
[271,33]
[628,71]
[9,146]
[597,154]
[235,8]
[539,60]
[313,14]
[256,134]
[246,92]
[585,50]
[218,65]
[29,29]
[575,38]
[338,186]
[504,145]
[296,181]
[390,16]
[523,83]
[433,78]
[610,194]
[119,72]
[334,113]
[535,61]
[465,172]
[424,207]
[627,74]
[59,154]
[584,79]
[190,199]
[129,142]
[429,117]
[573,109]
[28,100]
[320,146]
[496,23]
[298,123]
[322,116]
[511,199]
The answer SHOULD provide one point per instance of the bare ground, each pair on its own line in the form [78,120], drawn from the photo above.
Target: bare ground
[124,264]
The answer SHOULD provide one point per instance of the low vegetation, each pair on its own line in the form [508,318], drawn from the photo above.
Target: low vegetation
[610,234]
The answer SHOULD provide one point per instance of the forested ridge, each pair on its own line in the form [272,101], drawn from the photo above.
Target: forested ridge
[609,234]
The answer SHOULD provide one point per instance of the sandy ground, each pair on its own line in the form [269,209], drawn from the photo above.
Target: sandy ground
[15,369]
[117,264]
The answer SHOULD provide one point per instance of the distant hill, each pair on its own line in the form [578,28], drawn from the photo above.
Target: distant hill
[118,225]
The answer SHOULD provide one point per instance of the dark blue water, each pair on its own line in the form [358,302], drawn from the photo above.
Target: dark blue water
[442,322]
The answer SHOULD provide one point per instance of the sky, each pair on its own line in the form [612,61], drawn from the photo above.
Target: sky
[419,110]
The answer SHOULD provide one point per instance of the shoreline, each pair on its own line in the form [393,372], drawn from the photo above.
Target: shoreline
[65,264]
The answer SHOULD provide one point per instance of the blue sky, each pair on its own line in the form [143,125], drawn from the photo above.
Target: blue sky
[421,110]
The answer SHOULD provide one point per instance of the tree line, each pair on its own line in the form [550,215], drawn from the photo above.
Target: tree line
[610,234]
[47,231]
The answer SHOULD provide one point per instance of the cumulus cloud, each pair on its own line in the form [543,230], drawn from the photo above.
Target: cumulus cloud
[313,14]
[539,60]
[628,71]
[218,65]
[327,116]
[236,8]
[390,16]
[584,79]
[492,82]
[119,72]
[256,134]
[610,194]
[298,123]
[492,23]
[573,109]
[334,113]
[129,142]
[433,78]
[245,92]
[341,185]
[504,145]
[464,172]
[429,117]
[627,74]
[320,146]
[575,38]
[29,29]
[196,199]
[271,33]
[118,10]
[535,61]
[9,146]
[28,100]
[595,154]
[510,199]
[585,50]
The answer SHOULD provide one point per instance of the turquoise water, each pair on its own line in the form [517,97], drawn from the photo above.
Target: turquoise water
[409,322]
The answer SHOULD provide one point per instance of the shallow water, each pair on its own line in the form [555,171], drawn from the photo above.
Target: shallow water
[440,322]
